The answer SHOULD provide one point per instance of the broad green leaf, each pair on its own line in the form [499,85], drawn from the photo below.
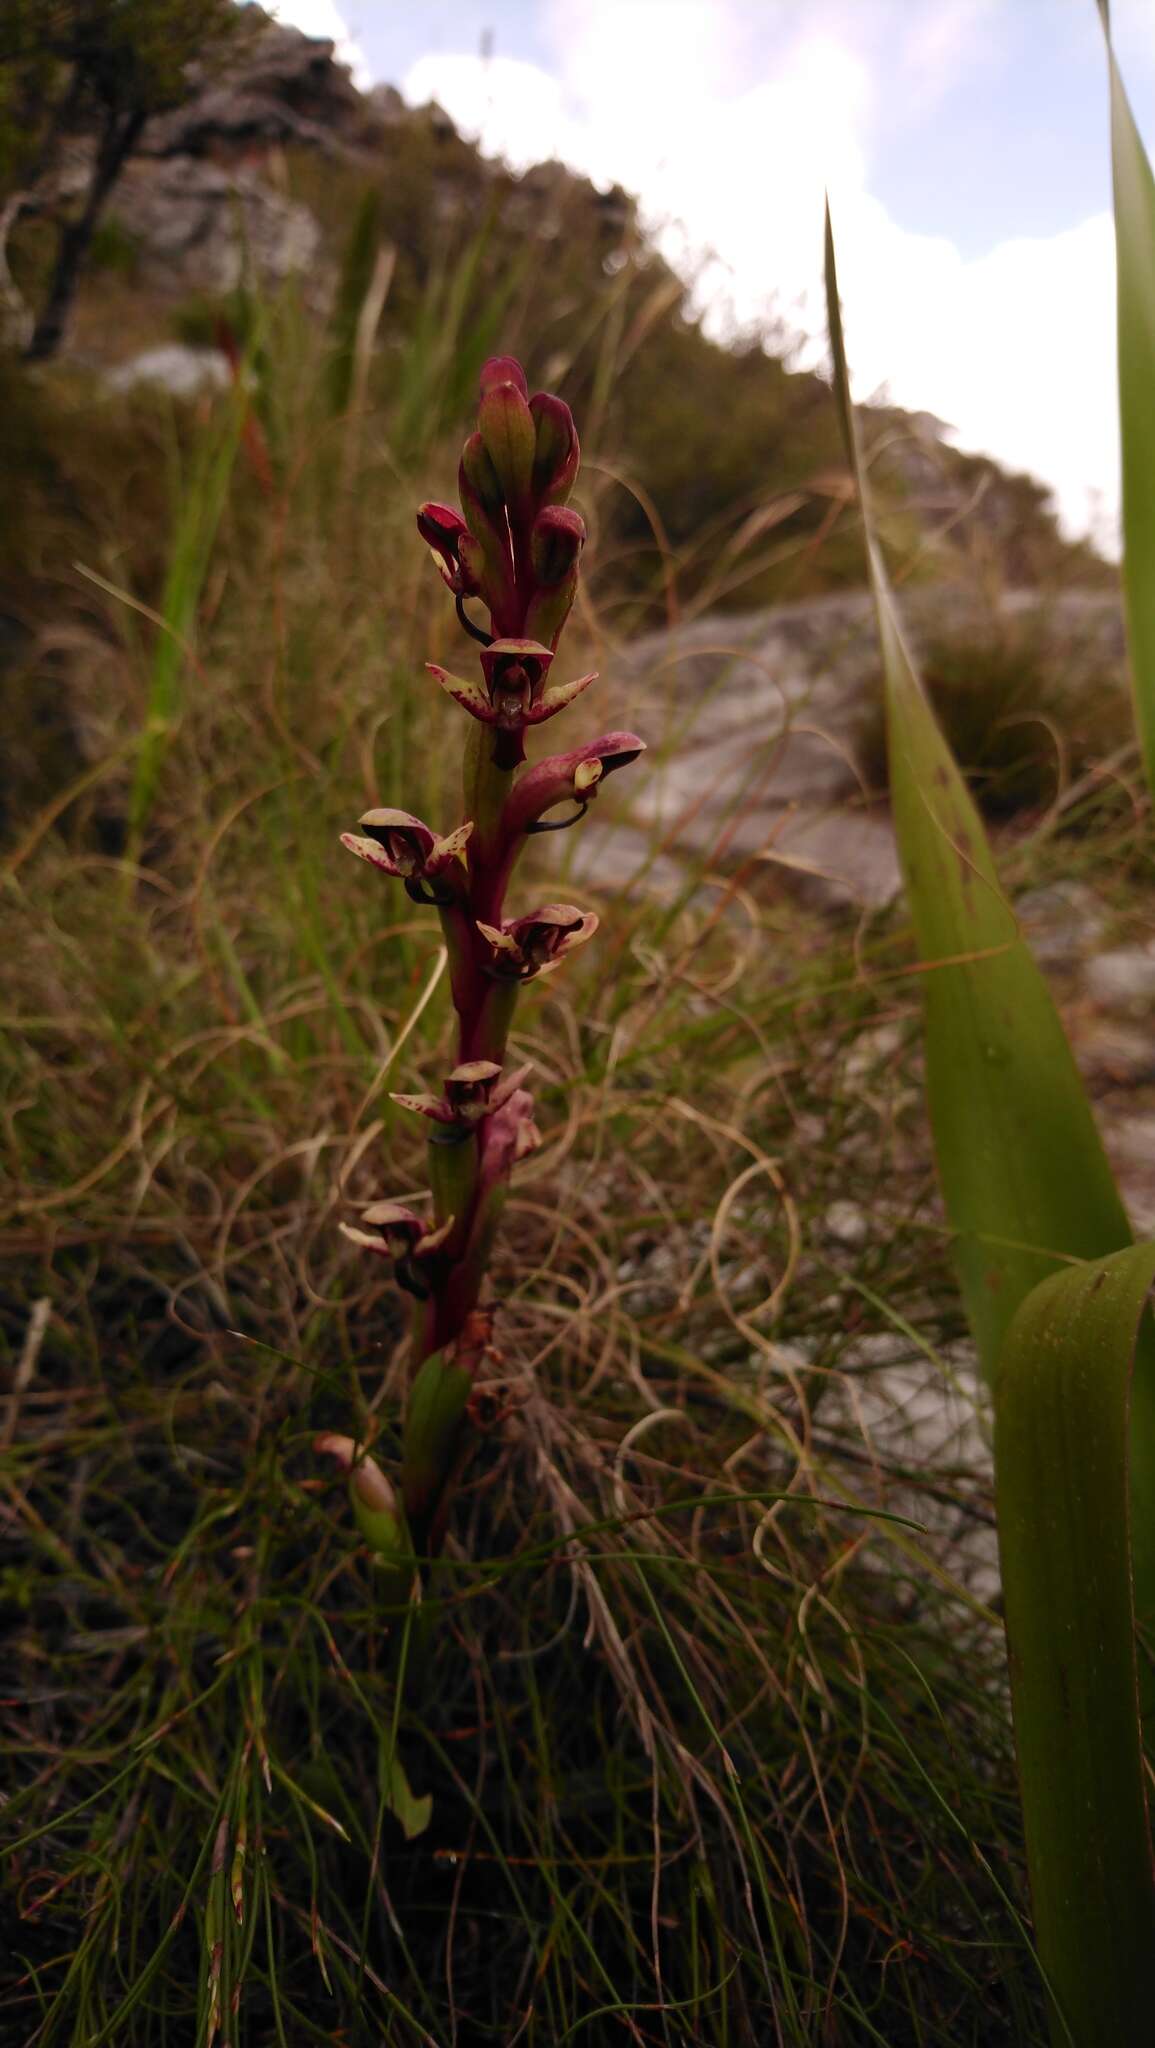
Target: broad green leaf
[1023,1172]
[1135,300]
[1061,1457]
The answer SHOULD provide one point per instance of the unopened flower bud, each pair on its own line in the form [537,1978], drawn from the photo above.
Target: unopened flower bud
[556,452]
[375,1505]
[480,483]
[513,1135]
[557,539]
[485,552]
[555,545]
[503,370]
[548,610]
[506,427]
[444,530]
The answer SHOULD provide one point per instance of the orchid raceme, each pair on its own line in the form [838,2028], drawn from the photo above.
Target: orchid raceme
[512,553]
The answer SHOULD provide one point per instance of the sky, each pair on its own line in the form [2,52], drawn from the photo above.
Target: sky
[964,145]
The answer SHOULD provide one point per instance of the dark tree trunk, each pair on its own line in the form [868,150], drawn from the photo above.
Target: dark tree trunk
[117,144]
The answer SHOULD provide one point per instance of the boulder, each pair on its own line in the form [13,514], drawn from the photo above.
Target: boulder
[280,87]
[185,372]
[756,722]
[197,227]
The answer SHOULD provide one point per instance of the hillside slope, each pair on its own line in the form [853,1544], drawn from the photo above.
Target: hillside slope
[280,175]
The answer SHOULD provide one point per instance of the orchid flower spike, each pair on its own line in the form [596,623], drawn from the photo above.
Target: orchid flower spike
[511,559]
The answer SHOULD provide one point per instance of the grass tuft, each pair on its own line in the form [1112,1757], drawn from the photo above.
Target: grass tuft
[708,1696]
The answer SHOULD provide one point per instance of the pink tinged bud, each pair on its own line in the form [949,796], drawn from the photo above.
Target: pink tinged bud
[342,1448]
[509,1086]
[444,529]
[486,553]
[480,484]
[375,1504]
[555,546]
[548,610]
[528,946]
[556,452]
[503,370]
[505,424]
[557,539]
[472,558]
[511,1135]
[370,1481]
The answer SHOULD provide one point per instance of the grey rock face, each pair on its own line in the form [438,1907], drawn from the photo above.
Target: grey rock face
[185,372]
[196,227]
[1063,922]
[281,87]
[754,724]
[1123,979]
[194,201]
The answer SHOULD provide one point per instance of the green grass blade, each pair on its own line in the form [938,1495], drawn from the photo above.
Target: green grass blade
[198,520]
[1134,189]
[1061,1449]
[357,266]
[1022,1168]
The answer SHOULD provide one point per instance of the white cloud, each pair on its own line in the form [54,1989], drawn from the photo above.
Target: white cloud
[1014,348]
[325,18]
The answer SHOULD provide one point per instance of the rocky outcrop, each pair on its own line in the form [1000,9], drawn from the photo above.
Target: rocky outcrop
[757,727]
[184,372]
[280,87]
[197,227]
[201,203]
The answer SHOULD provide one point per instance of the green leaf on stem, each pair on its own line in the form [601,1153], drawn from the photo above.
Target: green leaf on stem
[433,1422]
[1062,1402]
[1023,1172]
[1134,189]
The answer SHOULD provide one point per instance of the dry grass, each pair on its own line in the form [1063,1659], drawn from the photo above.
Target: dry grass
[706,1695]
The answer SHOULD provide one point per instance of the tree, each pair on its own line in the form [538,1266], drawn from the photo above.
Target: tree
[100,68]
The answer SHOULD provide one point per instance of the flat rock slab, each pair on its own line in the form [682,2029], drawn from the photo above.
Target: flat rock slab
[755,726]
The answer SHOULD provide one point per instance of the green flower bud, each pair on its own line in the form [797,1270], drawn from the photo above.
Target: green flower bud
[556,450]
[506,427]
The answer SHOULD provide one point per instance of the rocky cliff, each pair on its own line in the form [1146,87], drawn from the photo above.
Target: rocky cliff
[259,179]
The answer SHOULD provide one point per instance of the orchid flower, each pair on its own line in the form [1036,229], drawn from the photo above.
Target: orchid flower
[513,552]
